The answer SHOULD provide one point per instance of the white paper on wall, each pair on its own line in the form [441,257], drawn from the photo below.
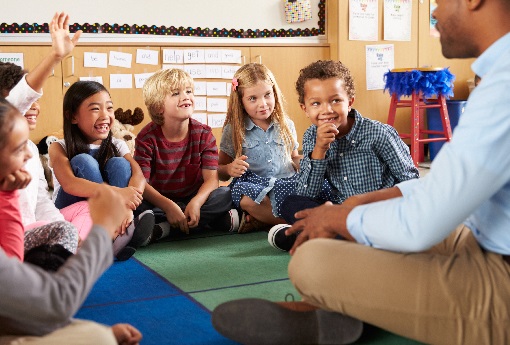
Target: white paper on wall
[379,59]
[213,71]
[228,71]
[195,71]
[201,117]
[363,20]
[216,88]
[141,78]
[97,79]
[216,120]
[213,56]
[216,105]
[200,103]
[200,88]
[147,57]
[173,56]
[15,58]
[120,59]
[397,20]
[194,56]
[231,56]
[121,81]
[98,60]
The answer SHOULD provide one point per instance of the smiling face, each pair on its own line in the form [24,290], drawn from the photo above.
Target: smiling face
[258,102]
[32,114]
[15,152]
[326,101]
[178,105]
[94,117]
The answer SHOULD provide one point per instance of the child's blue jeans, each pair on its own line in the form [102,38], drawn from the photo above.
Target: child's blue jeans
[117,169]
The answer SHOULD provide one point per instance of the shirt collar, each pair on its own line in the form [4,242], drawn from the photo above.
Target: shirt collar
[358,119]
[489,57]
[249,125]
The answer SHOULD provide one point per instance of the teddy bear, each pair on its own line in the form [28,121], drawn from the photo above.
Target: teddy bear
[124,123]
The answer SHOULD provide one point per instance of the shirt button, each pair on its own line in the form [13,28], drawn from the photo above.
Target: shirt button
[345,178]
[306,186]
[341,154]
[354,141]
[267,142]
[269,161]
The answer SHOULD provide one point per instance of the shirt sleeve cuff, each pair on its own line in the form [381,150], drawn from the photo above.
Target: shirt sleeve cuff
[355,224]
[407,186]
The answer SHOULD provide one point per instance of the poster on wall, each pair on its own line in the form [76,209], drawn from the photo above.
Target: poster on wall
[380,59]
[15,58]
[397,20]
[363,20]
[433,30]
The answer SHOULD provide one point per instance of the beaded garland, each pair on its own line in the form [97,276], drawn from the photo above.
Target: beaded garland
[429,83]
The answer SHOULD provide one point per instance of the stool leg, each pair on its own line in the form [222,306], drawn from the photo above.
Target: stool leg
[393,110]
[445,119]
[415,128]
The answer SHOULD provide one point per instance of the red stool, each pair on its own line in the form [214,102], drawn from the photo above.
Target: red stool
[417,102]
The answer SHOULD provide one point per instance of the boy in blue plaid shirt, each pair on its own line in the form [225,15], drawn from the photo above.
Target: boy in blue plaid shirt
[343,153]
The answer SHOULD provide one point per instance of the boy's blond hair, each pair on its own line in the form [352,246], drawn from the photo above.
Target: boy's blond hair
[158,86]
[248,76]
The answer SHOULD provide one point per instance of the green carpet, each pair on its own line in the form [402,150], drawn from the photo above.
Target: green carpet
[215,267]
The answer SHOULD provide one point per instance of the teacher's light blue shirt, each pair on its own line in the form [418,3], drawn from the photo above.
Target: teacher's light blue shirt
[469,180]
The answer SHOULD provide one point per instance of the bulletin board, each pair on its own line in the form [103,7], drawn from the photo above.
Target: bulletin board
[199,18]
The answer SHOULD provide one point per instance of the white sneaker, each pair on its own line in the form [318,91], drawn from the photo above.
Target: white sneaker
[234,220]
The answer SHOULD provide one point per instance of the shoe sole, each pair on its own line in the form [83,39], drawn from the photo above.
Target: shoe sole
[143,230]
[272,233]
[257,321]
[125,253]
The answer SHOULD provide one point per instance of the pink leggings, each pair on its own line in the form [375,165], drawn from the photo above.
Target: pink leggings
[79,214]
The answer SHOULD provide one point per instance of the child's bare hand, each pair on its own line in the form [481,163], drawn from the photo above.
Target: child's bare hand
[17,180]
[176,217]
[62,44]
[107,209]
[326,134]
[132,196]
[192,213]
[238,167]
[126,334]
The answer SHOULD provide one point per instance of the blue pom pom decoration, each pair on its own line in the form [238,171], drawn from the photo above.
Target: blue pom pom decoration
[429,83]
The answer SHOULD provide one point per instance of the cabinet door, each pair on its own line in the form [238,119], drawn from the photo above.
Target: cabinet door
[73,68]
[285,63]
[50,119]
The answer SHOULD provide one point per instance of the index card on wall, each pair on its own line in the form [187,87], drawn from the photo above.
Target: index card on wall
[363,20]
[200,103]
[98,79]
[120,59]
[397,20]
[15,58]
[141,78]
[228,71]
[231,56]
[216,120]
[216,88]
[201,117]
[195,71]
[213,55]
[216,105]
[173,56]
[121,81]
[194,56]
[200,88]
[213,71]
[379,59]
[173,66]
[98,60]
[147,57]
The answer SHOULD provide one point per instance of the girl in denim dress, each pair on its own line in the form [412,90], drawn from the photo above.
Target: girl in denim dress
[258,148]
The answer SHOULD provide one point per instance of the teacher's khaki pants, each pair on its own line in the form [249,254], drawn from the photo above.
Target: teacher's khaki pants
[79,332]
[455,293]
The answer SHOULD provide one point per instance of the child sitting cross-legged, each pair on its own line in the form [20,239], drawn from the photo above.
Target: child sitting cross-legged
[179,159]
[344,153]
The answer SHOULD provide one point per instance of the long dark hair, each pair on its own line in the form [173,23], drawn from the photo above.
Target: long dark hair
[76,142]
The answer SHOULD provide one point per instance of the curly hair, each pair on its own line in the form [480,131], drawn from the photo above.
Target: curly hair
[325,69]
[248,76]
[10,75]
[161,84]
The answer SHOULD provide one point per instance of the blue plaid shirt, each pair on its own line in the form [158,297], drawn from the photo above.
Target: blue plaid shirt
[370,157]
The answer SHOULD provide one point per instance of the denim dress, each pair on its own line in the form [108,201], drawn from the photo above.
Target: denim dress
[271,172]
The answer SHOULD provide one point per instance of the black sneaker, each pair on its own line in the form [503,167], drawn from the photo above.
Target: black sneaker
[277,238]
[141,227]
